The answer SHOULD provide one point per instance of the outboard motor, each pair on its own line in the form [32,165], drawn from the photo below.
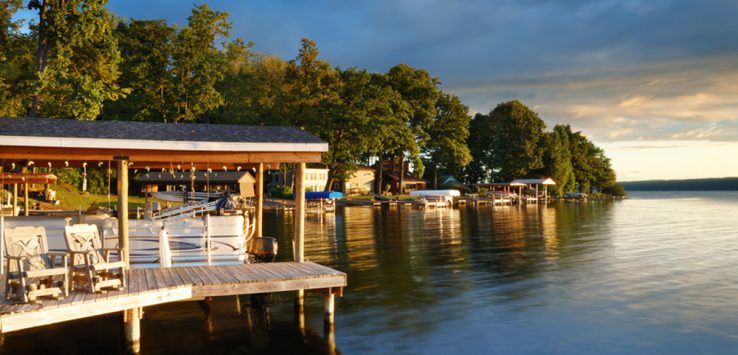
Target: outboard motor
[263,249]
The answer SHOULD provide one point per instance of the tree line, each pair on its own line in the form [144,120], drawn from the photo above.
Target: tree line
[79,60]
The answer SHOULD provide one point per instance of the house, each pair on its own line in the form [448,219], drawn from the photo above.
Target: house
[361,181]
[315,179]
[391,170]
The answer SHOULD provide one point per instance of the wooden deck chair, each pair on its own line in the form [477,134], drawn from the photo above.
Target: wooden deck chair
[31,267]
[92,268]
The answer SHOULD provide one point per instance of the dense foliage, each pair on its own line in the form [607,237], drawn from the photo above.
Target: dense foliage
[79,61]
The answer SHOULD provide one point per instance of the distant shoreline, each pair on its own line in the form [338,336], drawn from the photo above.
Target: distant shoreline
[712,184]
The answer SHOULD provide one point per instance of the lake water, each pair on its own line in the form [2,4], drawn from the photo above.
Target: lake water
[657,273]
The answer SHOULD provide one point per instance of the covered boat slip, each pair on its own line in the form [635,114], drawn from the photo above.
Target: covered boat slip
[184,147]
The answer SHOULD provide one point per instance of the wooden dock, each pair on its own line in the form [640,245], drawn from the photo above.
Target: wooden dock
[149,287]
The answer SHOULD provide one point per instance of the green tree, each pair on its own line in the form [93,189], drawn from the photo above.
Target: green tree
[509,143]
[420,91]
[77,58]
[448,132]
[198,65]
[146,49]
[16,63]
[557,160]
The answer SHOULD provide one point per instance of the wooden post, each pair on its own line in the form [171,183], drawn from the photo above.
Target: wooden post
[132,317]
[15,199]
[259,200]
[133,330]
[25,199]
[123,211]
[328,306]
[299,222]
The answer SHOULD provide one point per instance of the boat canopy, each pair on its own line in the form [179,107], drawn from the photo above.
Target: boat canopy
[314,195]
[547,181]
[435,193]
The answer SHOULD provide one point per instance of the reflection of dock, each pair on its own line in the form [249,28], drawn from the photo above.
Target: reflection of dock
[149,287]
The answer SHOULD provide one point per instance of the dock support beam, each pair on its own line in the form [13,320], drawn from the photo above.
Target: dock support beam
[25,199]
[299,223]
[329,307]
[133,330]
[123,210]
[259,200]
[15,200]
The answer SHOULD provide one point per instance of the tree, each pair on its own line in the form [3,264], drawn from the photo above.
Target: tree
[448,133]
[591,167]
[557,160]
[419,90]
[16,63]
[198,65]
[146,49]
[509,141]
[77,58]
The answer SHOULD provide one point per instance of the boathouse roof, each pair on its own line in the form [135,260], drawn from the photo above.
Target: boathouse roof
[161,135]
[154,144]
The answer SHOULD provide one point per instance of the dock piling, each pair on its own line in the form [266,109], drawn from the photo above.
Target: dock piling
[133,330]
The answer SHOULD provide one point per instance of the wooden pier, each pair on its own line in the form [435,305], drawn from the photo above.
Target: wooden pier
[150,287]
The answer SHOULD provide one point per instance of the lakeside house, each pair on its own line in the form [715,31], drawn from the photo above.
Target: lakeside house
[361,181]
[315,179]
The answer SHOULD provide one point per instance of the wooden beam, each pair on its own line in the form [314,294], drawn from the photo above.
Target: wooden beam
[133,330]
[15,199]
[299,223]
[25,200]
[101,305]
[259,200]
[123,210]
[45,154]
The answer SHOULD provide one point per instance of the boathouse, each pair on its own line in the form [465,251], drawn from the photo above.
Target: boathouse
[128,145]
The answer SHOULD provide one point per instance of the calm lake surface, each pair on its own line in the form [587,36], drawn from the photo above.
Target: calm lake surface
[657,273]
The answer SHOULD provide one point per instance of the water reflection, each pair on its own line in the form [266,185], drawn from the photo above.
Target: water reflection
[650,274]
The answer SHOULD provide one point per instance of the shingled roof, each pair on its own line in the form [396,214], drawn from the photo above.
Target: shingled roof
[201,177]
[153,131]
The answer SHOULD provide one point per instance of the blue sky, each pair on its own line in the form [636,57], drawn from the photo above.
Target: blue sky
[654,82]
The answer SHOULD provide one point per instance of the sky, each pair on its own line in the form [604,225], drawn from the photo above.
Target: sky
[653,82]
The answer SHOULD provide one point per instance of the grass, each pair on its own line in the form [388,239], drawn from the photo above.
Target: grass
[72,199]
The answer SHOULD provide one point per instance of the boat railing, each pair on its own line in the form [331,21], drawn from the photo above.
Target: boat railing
[185,211]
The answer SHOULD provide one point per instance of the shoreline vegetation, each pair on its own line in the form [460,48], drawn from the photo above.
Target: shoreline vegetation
[79,60]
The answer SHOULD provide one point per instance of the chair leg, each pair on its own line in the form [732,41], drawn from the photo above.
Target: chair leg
[23,291]
[66,284]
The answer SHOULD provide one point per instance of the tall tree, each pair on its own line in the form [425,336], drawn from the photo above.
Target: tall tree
[513,147]
[557,160]
[198,65]
[421,93]
[448,132]
[16,62]
[146,49]
[77,58]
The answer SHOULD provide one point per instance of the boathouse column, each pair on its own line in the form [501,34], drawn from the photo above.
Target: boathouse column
[132,317]
[123,210]
[15,199]
[25,199]
[299,222]
[259,200]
